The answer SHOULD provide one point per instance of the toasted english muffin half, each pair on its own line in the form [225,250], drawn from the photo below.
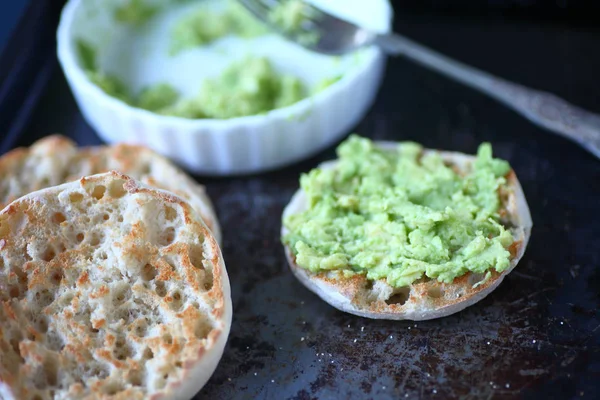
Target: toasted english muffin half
[108,289]
[55,160]
[426,298]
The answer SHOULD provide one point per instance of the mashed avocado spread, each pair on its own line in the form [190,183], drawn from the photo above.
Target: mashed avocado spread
[401,215]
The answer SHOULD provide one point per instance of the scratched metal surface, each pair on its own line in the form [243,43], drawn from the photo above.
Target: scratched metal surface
[536,336]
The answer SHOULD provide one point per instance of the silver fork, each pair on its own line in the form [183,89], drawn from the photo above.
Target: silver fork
[335,36]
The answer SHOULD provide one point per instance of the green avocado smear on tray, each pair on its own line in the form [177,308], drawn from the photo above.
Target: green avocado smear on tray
[401,215]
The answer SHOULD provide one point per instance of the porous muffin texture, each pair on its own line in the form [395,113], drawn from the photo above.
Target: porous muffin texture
[108,289]
[55,159]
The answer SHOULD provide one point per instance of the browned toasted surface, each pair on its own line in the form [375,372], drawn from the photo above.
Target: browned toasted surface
[55,160]
[108,289]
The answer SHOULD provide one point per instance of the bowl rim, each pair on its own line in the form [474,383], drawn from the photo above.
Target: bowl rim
[73,71]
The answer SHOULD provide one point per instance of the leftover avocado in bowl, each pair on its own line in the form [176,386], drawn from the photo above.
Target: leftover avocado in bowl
[203,26]
[249,85]
[401,215]
[206,84]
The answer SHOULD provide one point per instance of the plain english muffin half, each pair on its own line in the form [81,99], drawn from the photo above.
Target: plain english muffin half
[55,160]
[108,289]
[425,298]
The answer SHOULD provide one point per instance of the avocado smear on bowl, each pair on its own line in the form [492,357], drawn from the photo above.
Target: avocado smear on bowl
[289,16]
[250,86]
[401,215]
[203,26]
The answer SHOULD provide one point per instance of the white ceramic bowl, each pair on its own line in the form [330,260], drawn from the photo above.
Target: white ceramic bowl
[212,146]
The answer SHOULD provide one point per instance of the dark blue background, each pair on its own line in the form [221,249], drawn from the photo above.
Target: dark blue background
[10,11]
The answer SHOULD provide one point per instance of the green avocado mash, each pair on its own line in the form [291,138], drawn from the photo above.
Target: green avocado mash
[289,16]
[157,97]
[107,82]
[135,12]
[248,87]
[152,98]
[401,215]
[203,26]
[111,85]
[325,83]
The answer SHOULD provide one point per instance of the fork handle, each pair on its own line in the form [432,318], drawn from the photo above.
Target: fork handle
[542,108]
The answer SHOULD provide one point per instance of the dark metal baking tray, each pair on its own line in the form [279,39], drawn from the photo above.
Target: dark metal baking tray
[536,336]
